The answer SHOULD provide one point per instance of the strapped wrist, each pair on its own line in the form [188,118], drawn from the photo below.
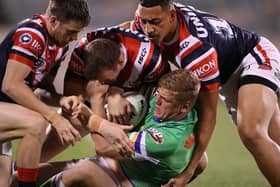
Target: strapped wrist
[54,117]
[94,122]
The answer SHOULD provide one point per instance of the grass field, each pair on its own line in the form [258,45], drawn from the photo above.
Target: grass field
[230,164]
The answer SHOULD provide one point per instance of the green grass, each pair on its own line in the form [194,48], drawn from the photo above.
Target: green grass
[230,164]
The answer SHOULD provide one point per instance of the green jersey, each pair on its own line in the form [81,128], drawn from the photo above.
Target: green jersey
[162,149]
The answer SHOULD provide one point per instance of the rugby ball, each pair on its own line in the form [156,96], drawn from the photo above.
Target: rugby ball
[139,107]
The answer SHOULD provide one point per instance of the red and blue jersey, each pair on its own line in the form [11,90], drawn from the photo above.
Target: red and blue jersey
[28,43]
[208,45]
[143,59]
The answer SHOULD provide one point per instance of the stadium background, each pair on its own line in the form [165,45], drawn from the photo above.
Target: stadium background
[230,164]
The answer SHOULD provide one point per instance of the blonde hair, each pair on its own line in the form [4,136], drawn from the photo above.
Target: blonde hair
[184,83]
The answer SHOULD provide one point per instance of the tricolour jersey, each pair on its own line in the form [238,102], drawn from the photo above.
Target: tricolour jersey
[162,149]
[143,59]
[28,43]
[208,45]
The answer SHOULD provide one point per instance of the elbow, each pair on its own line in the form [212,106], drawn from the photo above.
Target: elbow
[7,89]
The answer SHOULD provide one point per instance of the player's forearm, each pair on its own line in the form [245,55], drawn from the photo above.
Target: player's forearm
[207,105]
[97,105]
[103,148]
[24,96]
[203,136]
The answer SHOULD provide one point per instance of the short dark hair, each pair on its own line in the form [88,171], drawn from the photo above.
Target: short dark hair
[100,54]
[152,3]
[67,10]
[184,83]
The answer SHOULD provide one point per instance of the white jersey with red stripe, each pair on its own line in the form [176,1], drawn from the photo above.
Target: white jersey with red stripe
[28,43]
[143,59]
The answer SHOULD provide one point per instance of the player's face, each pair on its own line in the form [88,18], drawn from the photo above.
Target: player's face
[166,107]
[156,22]
[109,76]
[63,33]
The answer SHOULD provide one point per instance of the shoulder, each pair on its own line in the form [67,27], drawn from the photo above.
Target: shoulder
[32,26]
[30,34]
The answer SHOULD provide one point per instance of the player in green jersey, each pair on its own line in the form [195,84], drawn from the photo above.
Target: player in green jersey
[163,144]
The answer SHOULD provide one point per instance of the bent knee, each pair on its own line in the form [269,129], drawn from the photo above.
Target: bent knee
[250,134]
[37,127]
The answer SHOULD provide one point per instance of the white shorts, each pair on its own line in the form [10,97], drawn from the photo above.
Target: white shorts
[98,160]
[6,148]
[261,66]
[102,163]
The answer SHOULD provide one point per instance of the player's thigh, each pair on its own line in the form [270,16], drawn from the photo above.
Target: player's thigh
[274,126]
[88,172]
[15,119]
[256,105]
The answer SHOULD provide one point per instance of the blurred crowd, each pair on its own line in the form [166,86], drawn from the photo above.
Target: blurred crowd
[258,15]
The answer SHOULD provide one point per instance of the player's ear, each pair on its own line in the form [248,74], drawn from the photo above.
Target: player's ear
[53,20]
[121,60]
[173,14]
[186,107]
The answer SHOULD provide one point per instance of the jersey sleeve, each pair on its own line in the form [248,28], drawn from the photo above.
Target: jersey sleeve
[154,143]
[202,59]
[28,44]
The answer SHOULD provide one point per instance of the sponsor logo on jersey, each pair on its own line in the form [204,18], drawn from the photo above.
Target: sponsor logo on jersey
[189,142]
[205,68]
[36,45]
[25,38]
[142,55]
[184,45]
[39,62]
[156,135]
[220,26]
[200,28]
